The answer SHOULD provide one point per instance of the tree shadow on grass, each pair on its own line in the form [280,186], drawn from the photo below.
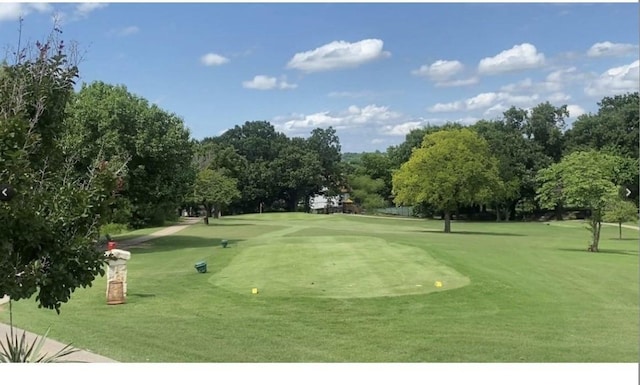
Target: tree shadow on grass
[463,232]
[179,242]
[602,251]
[623,239]
[214,223]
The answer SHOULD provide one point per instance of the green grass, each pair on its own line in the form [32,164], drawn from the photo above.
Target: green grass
[513,292]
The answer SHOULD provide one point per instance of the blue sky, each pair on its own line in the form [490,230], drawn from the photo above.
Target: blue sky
[373,71]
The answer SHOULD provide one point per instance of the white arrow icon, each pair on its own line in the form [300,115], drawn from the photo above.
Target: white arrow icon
[628,192]
[4,192]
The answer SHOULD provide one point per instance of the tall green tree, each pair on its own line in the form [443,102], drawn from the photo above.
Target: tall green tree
[620,211]
[298,172]
[401,153]
[615,127]
[367,192]
[544,127]
[110,120]
[583,179]
[215,191]
[451,168]
[259,144]
[51,227]
[325,143]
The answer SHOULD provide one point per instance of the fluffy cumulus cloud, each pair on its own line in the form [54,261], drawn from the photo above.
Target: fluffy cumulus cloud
[520,57]
[442,73]
[617,80]
[607,48]
[558,97]
[575,110]
[83,10]
[368,117]
[14,11]
[491,102]
[554,85]
[338,55]
[213,59]
[440,70]
[262,82]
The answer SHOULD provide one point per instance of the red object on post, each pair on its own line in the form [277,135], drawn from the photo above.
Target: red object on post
[111,245]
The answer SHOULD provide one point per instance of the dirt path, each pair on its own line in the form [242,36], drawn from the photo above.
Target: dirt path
[51,346]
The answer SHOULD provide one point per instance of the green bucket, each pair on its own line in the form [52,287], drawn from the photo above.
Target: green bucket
[201,267]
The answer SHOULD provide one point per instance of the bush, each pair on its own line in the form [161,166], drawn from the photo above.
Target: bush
[113,229]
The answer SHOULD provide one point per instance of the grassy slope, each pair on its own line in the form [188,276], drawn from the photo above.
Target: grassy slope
[535,295]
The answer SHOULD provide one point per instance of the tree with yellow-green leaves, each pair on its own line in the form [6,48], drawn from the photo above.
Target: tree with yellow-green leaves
[451,168]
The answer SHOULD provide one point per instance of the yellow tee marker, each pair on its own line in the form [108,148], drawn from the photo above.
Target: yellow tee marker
[438,284]
[254,290]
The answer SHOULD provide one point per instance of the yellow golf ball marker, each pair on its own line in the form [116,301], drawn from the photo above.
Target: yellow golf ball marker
[438,284]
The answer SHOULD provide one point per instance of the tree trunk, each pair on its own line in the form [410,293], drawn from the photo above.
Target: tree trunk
[595,230]
[558,212]
[447,221]
[507,214]
[497,213]
[207,210]
[619,230]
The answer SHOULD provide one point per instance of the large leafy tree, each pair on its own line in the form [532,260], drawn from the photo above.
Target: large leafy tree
[367,192]
[545,124]
[619,211]
[259,144]
[517,145]
[584,179]
[401,153]
[324,142]
[214,189]
[298,172]
[51,227]
[110,120]
[615,127]
[451,168]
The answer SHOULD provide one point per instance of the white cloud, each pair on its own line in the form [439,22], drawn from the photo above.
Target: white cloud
[83,10]
[370,117]
[337,55]
[14,11]
[440,70]
[607,48]
[520,57]
[213,59]
[350,94]
[466,121]
[496,110]
[126,31]
[459,82]
[377,141]
[617,80]
[262,82]
[519,86]
[555,82]
[486,100]
[402,129]
[575,110]
[558,97]
[447,107]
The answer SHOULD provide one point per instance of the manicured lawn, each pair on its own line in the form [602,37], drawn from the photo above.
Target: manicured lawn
[344,288]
